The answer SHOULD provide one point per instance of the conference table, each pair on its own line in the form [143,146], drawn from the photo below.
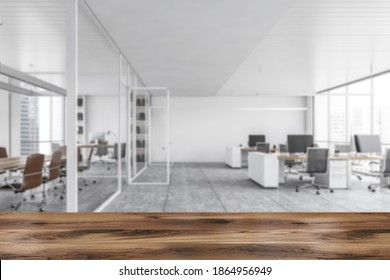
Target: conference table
[20,161]
[12,163]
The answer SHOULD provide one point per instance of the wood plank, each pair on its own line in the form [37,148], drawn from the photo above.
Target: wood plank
[194,236]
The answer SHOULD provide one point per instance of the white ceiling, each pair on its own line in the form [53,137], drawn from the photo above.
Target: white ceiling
[206,47]
[316,45]
[192,47]
[32,37]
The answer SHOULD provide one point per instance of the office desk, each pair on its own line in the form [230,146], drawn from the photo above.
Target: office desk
[338,176]
[237,157]
[339,169]
[217,236]
[95,146]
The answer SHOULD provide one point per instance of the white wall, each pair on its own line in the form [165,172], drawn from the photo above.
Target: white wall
[102,115]
[201,127]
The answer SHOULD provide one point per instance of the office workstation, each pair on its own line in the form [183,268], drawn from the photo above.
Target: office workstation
[196,115]
[132,142]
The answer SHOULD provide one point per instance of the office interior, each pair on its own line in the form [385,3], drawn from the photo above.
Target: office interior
[153,104]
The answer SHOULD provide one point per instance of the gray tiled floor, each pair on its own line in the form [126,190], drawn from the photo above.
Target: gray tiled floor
[90,197]
[209,187]
[214,187]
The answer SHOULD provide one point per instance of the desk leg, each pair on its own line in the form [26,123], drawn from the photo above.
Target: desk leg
[244,159]
[281,171]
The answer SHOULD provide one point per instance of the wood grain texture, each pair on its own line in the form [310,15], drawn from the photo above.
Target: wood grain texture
[194,236]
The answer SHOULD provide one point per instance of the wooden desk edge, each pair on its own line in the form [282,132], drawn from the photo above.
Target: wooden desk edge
[195,235]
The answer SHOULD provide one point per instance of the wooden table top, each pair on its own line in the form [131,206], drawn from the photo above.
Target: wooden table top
[195,236]
[95,145]
[18,162]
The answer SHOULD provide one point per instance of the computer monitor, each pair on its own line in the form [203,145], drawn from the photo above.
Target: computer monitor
[368,144]
[299,143]
[99,136]
[253,139]
[262,147]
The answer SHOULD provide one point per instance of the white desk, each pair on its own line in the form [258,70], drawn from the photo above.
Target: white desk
[237,157]
[263,169]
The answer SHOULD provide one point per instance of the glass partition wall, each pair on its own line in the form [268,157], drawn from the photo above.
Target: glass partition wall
[98,114]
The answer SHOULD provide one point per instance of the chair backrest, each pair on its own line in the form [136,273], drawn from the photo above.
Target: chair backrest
[123,150]
[317,160]
[386,168]
[262,147]
[102,148]
[3,152]
[63,156]
[32,176]
[283,148]
[55,164]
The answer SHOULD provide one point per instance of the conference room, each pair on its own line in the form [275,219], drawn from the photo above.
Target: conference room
[128,120]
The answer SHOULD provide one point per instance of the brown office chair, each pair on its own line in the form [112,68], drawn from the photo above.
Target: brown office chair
[32,178]
[54,173]
[3,152]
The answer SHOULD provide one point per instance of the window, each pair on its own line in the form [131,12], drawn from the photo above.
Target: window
[321,121]
[359,108]
[41,123]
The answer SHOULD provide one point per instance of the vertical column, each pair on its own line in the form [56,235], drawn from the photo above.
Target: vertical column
[119,143]
[168,108]
[309,114]
[71,103]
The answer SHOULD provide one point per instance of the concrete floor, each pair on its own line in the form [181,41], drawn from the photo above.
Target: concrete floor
[214,187]
[207,187]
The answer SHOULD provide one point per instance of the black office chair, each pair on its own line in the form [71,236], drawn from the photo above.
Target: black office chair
[101,151]
[288,163]
[317,163]
[262,147]
[385,173]
[114,155]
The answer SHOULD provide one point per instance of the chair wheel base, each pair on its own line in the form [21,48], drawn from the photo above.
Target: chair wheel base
[369,187]
[373,190]
[317,192]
